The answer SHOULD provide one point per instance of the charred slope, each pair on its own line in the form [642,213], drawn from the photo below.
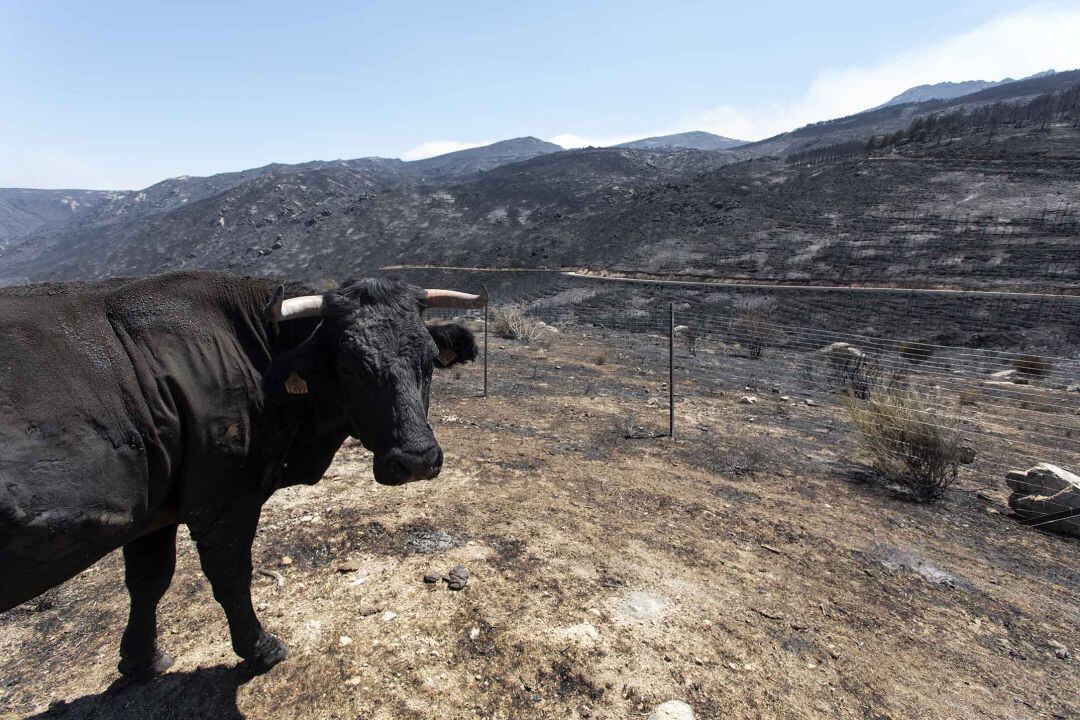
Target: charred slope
[334,219]
[27,211]
[890,118]
[966,213]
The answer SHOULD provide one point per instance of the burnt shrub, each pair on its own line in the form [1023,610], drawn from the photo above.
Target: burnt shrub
[1032,365]
[916,352]
[909,442]
[753,329]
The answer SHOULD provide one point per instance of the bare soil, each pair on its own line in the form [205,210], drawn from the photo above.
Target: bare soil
[743,568]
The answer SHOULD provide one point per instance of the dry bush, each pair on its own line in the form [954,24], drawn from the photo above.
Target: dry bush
[511,323]
[916,352]
[599,358]
[1032,365]
[752,328]
[746,457]
[843,368]
[909,443]
[969,396]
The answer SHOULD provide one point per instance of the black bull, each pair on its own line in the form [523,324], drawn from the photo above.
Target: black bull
[129,407]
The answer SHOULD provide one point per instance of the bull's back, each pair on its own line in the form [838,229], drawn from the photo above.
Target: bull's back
[72,462]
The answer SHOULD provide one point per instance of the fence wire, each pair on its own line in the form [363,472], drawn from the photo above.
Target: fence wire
[1008,409]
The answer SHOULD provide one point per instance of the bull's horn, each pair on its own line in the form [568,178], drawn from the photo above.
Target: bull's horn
[279,308]
[455,299]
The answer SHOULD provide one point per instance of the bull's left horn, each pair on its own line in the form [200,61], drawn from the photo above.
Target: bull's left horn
[279,308]
[455,299]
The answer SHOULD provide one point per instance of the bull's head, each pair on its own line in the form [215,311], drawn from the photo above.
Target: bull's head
[372,358]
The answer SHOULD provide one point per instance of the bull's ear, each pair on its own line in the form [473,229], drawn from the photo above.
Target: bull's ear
[455,342]
[300,372]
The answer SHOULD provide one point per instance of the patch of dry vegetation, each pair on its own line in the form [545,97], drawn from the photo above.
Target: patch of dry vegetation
[910,443]
[511,323]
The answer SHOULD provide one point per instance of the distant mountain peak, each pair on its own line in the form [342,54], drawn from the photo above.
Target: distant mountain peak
[693,140]
[485,157]
[950,90]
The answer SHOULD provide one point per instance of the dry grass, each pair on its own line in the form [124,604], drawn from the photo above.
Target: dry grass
[511,323]
[909,442]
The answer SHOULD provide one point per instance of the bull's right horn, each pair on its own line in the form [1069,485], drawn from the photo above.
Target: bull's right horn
[455,299]
[279,308]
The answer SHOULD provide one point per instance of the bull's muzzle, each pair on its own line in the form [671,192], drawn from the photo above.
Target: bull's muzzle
[397,467]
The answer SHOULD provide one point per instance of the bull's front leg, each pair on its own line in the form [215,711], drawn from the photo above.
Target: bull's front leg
[149,562]
[225,554]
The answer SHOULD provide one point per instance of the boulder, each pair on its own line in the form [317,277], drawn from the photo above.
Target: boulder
[1045,490]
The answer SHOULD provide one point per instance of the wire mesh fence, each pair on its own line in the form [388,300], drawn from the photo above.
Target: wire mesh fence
[890,368]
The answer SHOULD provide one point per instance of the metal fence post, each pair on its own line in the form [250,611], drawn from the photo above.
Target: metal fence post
[671,371]
[486,306]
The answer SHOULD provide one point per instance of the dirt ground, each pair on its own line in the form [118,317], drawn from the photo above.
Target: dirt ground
[743,569]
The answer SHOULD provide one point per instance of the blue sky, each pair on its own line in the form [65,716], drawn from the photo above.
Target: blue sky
[123,94]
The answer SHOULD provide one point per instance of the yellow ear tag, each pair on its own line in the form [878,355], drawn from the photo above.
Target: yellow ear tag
[296,385]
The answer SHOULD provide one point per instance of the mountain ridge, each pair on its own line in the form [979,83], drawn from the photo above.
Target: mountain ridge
[692,140]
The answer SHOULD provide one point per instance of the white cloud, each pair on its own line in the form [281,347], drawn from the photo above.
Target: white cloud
[438,147]
[1013,45]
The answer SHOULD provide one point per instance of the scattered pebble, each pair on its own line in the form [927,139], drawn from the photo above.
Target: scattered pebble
[389,615]
[748,400]
[285,561]
[672,710]
[474,633]
[432,577]
[344,640]
[348,567]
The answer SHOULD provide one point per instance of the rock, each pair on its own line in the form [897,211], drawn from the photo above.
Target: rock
[389,615]
[748,400]
[457,578]
[474,633]
[432,577]
[809,402]
[638,606]
[1075,387]
[672,710]
[1044,490]
[966,454]
[1003,374]
[1061,652]
[581,634]
[344,640]
[285,561]
[348,567]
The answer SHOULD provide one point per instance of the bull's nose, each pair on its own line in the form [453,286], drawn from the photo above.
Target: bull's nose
[400,466]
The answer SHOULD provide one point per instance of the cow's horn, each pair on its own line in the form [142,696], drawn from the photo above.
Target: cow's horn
[279,308]
[455,299]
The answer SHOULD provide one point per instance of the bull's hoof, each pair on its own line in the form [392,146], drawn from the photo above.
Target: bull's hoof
[143,670]
[269,651]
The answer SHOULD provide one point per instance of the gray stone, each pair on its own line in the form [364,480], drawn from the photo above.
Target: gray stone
[1044,490]
[672,710]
